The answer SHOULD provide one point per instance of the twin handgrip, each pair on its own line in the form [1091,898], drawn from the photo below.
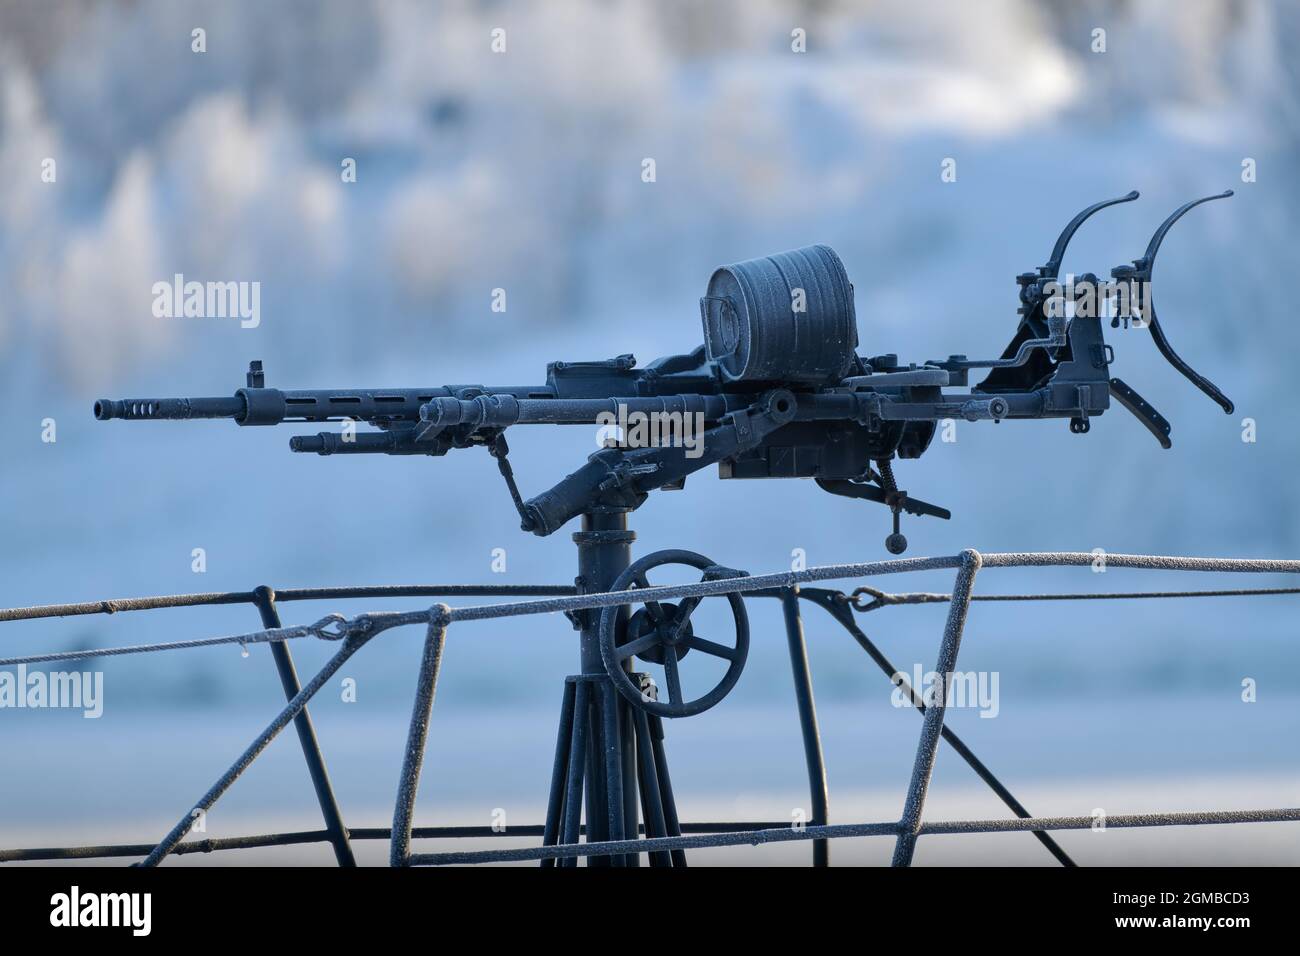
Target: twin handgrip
[1155,423]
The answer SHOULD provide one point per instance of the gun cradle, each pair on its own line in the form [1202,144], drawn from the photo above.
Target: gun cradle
[777,391]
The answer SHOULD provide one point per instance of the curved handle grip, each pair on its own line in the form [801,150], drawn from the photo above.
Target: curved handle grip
[1193,376]
[1147,261]
[1143,411]
[1140,272]
[1053,266]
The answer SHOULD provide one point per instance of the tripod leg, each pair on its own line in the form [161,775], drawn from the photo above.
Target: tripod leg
[577,762]
[611,738]
[651,802]
[665,785]
[597,798]
[631,811]
[555,802]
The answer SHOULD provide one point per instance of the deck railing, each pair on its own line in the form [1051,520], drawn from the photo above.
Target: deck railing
[791,587]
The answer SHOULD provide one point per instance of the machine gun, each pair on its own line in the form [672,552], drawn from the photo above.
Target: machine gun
[778,390]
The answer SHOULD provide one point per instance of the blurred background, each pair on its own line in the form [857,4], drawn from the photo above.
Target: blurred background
[522,170]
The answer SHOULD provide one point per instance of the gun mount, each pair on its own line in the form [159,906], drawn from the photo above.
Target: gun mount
[778,390]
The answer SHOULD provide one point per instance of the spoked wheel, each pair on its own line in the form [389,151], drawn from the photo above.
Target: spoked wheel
[662,633]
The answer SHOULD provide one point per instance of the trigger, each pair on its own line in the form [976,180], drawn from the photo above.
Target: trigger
[1155,422]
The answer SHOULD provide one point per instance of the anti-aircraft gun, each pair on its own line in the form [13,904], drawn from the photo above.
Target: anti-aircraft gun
[778,390]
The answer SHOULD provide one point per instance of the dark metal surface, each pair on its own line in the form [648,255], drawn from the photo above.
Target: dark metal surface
[559,770]
[909,825]
[841,607]
[777,390]
[350,646]
[787,834]
[302,837]
[662,634]
[119,605]
[783,318]
[812,735]
[610,786]
[264,597]
[417,735]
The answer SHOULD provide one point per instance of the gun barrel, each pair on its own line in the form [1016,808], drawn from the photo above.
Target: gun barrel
[169,408]
[500,410]
[271,406]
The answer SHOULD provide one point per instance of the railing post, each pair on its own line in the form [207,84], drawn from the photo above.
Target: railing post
[399,852]
[264,598]
[351,645]
[812,737]
[841,613]
[932,726]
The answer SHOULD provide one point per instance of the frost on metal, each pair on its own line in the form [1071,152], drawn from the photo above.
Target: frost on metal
[665,839]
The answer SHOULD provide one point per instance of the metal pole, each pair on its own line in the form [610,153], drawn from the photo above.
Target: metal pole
[665,785]
[577,766]
[627,745]
[839,610]
[351,645]
[932,725]
[652,807]
[597,795]
[399,852]
[604,552]
[264,598]
[607,704]
[559,771]
[812,737]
